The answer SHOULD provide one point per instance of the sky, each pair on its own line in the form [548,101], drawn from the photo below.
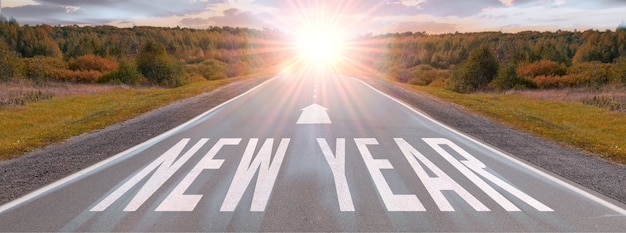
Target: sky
[350,17]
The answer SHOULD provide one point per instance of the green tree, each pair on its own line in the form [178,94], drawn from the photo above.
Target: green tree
[476,72]
[126,73]
[158,67]
[507,78]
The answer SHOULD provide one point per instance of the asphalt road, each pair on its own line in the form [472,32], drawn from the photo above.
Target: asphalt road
[312,151]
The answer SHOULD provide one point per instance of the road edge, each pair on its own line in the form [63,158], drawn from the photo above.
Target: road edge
[40,171]
[580,169]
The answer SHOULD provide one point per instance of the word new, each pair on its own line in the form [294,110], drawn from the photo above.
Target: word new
[266,168]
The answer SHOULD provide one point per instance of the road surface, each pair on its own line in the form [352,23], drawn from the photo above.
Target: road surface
[312,151]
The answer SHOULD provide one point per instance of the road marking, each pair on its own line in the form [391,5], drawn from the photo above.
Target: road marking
[163,167]
[393,202]
[337,163]
[314,114]
[435,185]
[267,169]
[118,157]
[514,160]
[479,168]
[177,200]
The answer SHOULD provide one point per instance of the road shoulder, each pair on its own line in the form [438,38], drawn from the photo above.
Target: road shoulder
[587,171]
[44,166]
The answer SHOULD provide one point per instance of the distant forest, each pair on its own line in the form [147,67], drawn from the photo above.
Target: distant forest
[138,55]
[464,62]
[467,62]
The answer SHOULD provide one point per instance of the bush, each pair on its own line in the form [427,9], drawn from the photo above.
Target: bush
[40,69]
[476,72]
[590,73]
[507,78]
[542,68]
[127,73]
[617,74]
[209,70]
[424,75]
[554,81]
[92,62]
[79,76]
[158,67]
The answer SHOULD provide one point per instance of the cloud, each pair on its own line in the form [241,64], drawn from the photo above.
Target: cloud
[429,27]
[373,8]
[103,11]
[444,8]
[232,17]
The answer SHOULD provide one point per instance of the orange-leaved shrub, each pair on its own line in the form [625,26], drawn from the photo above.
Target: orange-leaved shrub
[542,68]
[40,68]
[92,62]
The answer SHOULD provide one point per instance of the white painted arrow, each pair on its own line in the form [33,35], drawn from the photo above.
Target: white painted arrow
[314,114]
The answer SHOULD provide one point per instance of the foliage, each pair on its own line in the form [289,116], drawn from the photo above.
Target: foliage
[424,75]
[476,73]
[158,67]
[91,62]
[127,73]
[617,74]
[542,68]
[209,69]
[588,74]
[9,63]
[508,78]
[41,69]
[239,50]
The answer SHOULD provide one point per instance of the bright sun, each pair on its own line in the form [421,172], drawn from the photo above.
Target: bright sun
[320,46]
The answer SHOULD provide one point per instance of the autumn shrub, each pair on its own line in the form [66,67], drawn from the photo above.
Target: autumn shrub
[424,75]
[545,82]
[237,68]
[617,74]
[127,73]
[542,68]
[210,69]
[397,73]
[158,67]
[40,69]
[590,73]
[91,62]
[78,76]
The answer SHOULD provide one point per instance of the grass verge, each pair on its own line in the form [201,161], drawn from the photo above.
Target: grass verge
[596,130]
[34,125]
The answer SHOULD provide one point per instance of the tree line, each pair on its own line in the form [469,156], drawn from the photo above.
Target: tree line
[138,55]
[468,62]
[463,62]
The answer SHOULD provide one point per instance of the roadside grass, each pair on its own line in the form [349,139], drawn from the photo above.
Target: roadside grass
[596,130]
[35,125]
